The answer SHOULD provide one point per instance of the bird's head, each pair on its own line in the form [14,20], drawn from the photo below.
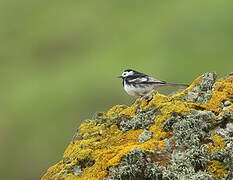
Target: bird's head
[127,73]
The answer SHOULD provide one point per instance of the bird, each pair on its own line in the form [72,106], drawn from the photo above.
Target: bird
[136,83]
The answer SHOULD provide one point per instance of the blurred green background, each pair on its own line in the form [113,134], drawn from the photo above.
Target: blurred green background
[59,62]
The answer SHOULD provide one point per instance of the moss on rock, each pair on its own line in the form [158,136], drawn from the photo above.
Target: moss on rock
[188,135]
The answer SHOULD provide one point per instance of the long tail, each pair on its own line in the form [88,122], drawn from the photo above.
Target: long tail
[172,84]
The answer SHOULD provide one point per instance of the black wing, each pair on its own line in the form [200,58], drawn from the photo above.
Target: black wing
[144,80]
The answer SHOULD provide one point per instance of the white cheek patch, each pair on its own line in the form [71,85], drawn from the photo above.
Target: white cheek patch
[130,73]
[125,74]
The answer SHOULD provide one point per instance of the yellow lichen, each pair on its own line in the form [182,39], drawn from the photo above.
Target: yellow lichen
[218,143]
[157,100]
[185,91]
[72,177]
[55,171]
[223,89]
[108,151]
[143,104]
[169,108]
[115,110]
[231,106]
[217,168]
[130,111]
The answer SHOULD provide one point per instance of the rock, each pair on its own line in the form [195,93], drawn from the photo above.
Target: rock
[187,135]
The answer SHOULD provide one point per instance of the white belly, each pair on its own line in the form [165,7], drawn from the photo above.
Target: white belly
[138,91]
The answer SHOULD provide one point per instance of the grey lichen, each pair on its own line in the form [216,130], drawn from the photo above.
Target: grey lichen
[154,171]
[140,164]
[188,165]
[169,123]
[225,131]
[145,136]
[143,120]
[77,168]
[202,93]
[226,121]
[130,167]
[74,169]
[202,175]
[136,165]
[191,129]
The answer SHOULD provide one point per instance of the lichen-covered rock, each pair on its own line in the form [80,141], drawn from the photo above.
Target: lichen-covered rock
[145,136]
[188,135]
[202,92]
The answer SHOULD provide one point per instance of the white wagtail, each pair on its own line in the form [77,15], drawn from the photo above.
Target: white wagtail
[139,84]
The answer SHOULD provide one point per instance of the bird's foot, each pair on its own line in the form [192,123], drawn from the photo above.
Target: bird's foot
[138,100]
[148,97]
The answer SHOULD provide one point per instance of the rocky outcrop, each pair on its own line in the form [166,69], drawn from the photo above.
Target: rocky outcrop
[188,135]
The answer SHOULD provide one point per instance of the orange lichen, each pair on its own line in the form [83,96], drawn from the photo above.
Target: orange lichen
[217,168]
[223,89]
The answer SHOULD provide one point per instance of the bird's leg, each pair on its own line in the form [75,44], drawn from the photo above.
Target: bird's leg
[138,100]
[149,96]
